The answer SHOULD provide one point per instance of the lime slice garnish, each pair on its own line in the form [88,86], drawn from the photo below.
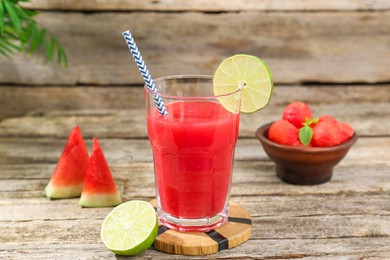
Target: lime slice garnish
[130,228]
[248,73]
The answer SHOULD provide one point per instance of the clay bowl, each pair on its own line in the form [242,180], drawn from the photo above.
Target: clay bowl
[303,165]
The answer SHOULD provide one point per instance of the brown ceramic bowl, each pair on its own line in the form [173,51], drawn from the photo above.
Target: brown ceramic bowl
[303,165]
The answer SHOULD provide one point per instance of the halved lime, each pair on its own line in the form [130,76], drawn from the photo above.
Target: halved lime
[130,228]
[248,73]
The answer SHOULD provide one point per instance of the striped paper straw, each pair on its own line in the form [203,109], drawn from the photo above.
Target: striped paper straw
[144,72]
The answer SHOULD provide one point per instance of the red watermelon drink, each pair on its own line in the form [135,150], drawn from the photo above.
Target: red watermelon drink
[193,150]
[193,135]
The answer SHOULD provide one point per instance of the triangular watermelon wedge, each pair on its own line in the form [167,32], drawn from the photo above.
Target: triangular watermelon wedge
[68,177]
[99,187]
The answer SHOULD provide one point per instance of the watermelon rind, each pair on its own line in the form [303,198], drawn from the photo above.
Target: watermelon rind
[100,200]
[63,192]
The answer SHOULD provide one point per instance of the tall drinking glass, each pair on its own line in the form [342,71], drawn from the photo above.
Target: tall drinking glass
[193,151]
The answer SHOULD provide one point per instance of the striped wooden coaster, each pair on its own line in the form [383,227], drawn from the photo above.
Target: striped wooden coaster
[236,231]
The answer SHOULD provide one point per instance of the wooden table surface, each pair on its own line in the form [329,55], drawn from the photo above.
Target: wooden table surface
[346,217]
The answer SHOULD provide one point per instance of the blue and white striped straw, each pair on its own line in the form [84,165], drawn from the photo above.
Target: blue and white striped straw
[144,72]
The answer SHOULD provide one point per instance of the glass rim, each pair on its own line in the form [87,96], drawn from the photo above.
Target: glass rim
[187,76]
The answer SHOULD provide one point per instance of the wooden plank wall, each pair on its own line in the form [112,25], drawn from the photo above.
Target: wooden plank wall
[306,43]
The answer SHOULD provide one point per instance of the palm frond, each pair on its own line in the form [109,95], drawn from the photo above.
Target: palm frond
[19,32]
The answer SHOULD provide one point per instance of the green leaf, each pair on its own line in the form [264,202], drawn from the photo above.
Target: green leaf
[14,17]
[1,17]
[3,53]
[19,32]
[9,33]
[61,57]
[8,46]
[305,135]
[22,13]
[36,37]
[50,49]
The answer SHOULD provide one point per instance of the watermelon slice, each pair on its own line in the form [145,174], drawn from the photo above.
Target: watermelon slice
[99,187]
[68,177]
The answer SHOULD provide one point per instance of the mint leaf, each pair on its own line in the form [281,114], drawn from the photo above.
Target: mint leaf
[305,135]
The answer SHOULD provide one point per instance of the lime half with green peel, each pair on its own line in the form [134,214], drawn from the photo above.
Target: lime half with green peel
[248,73]
[130,228]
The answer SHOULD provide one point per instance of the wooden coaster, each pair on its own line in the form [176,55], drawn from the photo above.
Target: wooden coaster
[234,232]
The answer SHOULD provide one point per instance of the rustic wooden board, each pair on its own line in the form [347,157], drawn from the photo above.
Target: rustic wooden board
[354,248]
[348,217]
[299,47]
[17,101]
[369,181]
[131,123]
[70,232]
[353,204]
[27,166]
[209,6]
[125,152]
[269,227]
[249,179]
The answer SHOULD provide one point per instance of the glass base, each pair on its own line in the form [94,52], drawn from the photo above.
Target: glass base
[193,225]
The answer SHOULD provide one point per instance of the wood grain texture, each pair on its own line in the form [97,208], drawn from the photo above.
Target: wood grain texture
[266,225]
[249,179]
[293,205]
[123,152]
[348,217]
[299,47]
[343,229]
[131,123]
[354,248]
[209,6]
[26,169]
[16,101]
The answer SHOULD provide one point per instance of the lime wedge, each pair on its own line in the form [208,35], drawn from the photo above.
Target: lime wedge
[130,228]
[248,73]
